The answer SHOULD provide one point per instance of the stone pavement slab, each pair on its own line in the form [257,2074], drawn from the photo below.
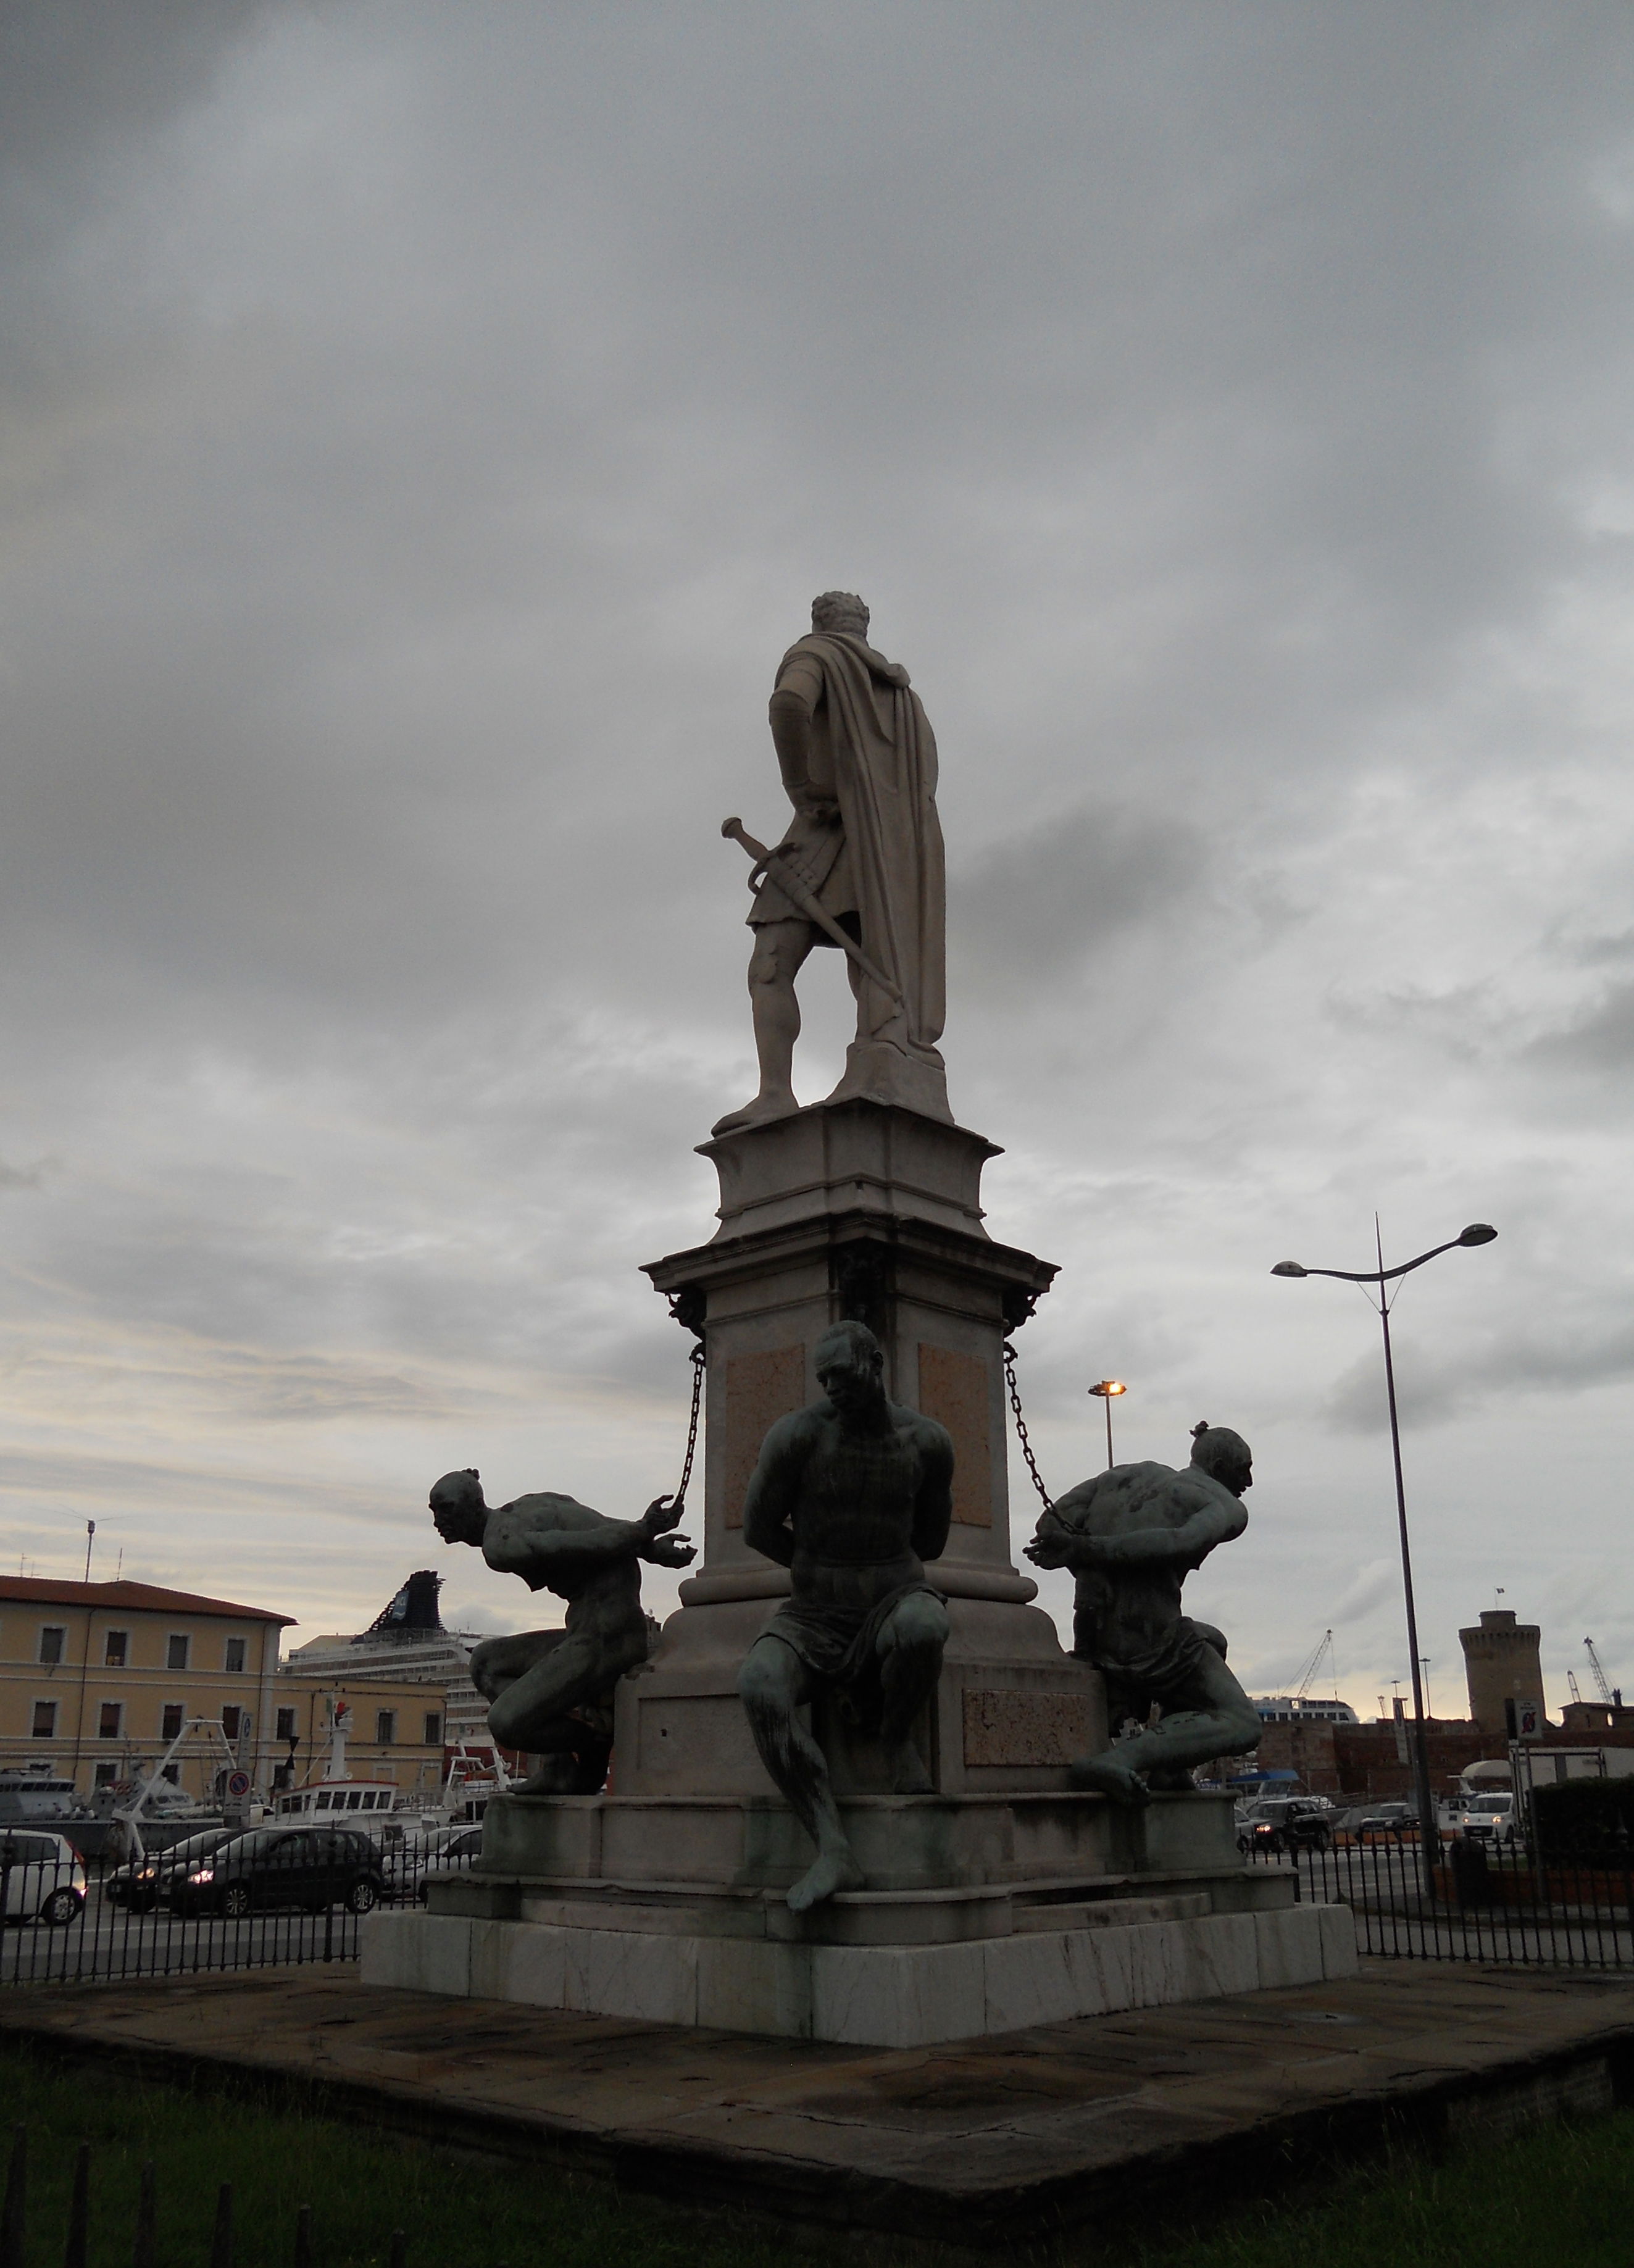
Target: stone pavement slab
[997,2140]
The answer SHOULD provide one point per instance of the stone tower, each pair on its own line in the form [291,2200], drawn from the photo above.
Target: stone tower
[1501,1663]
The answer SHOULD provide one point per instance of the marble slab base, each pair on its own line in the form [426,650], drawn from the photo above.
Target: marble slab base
[871,1995]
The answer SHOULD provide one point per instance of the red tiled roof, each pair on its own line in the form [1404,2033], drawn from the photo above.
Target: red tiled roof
[33,1590]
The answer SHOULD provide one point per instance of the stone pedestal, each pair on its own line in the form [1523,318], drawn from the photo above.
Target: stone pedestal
[1004,1898]
[858,1209]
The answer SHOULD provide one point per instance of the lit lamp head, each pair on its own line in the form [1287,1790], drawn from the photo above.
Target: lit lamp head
[1110,1386]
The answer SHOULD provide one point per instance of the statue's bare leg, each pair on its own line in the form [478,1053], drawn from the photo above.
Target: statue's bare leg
[779,954]
[773,1685]
[1208,1716]
[528,1705]
[911,1641]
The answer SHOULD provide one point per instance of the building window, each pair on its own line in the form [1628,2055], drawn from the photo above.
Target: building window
[45,1720]
[286,1725]
[170,1720]
[433,1728]
[384,1726]
[176,1653]
[232,1722]
[235,1656]
[110,1718]
[114,1647]
[52,1639]
[105,1774]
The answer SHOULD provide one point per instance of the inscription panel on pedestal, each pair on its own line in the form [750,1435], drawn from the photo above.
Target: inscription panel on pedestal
[1009,1727]
[760,1389]
[953,1388]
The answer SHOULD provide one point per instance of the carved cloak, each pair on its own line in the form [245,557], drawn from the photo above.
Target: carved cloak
[883,753]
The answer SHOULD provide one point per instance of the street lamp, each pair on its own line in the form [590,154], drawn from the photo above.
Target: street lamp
[1477,1232]
[1105,1389]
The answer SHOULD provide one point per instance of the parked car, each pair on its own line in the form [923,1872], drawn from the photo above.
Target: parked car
[43,1876]
[459,1855]
[1387,1822]
[1286,1823]
[1488,1818]
[145,1883]
[405,1861]
[308,1867]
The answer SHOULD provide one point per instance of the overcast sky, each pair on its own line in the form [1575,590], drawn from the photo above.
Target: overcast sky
[424,427]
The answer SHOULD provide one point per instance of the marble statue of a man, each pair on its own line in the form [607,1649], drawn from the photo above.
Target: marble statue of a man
[1131,1536]
[852,1495]
[552,1690]
[858,763]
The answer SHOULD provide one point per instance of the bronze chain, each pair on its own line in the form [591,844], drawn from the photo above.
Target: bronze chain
[1027,1446]
[692,1429]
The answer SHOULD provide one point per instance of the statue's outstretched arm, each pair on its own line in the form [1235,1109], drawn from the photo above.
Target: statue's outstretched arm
[515,1547]
[1186,1546]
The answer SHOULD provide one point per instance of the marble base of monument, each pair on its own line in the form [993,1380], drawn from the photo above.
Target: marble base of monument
[983,1913]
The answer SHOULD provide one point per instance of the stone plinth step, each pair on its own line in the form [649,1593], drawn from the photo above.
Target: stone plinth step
[885,1995]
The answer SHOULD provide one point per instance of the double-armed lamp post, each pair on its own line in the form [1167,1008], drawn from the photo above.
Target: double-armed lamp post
[1477,1232]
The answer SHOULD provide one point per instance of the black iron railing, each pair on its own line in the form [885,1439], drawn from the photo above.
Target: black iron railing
[1494,1899]
[144,2238]
[221,1899]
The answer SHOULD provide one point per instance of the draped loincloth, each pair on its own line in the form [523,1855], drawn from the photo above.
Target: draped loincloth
[841,1645]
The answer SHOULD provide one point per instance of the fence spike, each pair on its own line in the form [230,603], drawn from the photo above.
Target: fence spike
[144,2252]
[303,2237]
[400,2248]
[221,2243]
[78,2211]
[12,2215]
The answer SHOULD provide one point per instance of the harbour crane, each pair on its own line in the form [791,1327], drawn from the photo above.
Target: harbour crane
[1600,1679]
[1307,1674]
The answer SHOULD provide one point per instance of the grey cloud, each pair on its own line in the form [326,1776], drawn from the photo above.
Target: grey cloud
[1033,910]
[427,430]
[1433,1390]
[1601,1039]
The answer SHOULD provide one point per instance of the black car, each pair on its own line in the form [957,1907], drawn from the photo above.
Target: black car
[307,1867]
[144,1883]
[1287,1824]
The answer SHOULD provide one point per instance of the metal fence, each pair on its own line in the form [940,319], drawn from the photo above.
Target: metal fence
[224,1898]
[1492,1902]
[141,2236]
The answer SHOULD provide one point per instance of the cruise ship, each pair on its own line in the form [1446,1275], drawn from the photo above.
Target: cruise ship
[406,1643]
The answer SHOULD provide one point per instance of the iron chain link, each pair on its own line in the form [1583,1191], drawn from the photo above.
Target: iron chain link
[692,1428]
[1027,1446]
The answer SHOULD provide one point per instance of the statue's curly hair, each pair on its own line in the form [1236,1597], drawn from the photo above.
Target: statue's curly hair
[832,608]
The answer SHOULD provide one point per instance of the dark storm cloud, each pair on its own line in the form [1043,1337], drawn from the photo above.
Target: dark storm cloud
[422,431]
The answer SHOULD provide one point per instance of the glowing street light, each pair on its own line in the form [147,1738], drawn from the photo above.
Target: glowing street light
[1105,1389]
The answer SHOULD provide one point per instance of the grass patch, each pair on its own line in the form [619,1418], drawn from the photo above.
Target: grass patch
[1548,2193]
[458,2211]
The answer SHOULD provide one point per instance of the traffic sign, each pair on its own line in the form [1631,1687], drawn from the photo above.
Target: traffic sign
[238,1783]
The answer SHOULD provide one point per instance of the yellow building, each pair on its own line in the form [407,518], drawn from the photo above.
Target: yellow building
[97,1679]
[395,1729]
